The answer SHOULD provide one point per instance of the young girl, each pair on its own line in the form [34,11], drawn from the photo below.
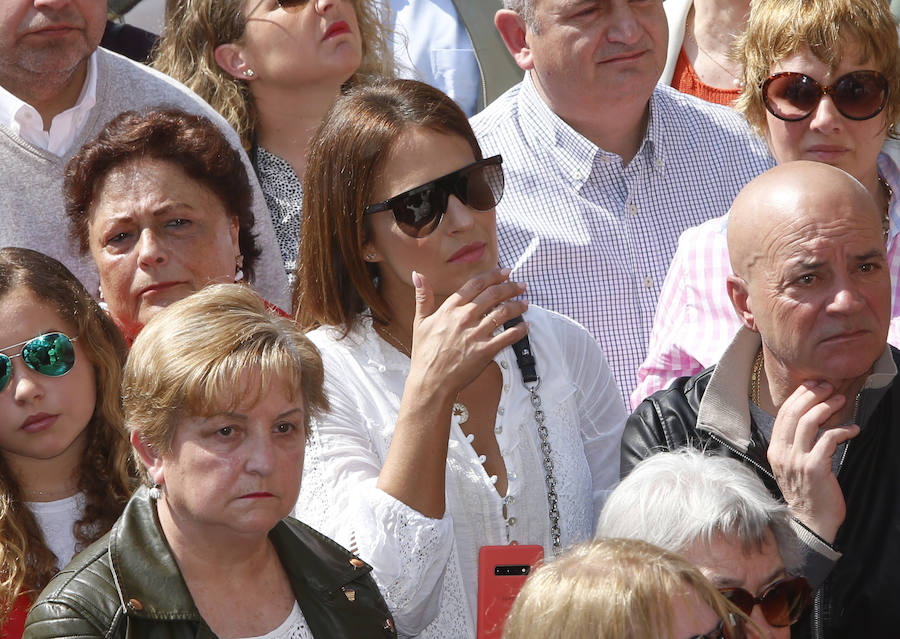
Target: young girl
[65,473]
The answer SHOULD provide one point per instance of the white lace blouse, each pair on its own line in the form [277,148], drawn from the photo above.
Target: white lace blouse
[427,568]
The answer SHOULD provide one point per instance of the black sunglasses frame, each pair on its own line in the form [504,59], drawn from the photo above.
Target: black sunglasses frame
[823,91]
[6,375]
[795,604]
[446,185]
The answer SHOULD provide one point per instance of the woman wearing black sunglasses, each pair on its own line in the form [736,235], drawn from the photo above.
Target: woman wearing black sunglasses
[822,83]
[272,68]
[435,445]
[64,470]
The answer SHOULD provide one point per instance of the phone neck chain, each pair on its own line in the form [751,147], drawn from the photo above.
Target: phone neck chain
[526,362]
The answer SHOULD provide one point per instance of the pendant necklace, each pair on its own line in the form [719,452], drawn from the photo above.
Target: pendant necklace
[460,411]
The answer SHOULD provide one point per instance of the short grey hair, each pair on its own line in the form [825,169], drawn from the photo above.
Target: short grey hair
[675,499]
[525,9]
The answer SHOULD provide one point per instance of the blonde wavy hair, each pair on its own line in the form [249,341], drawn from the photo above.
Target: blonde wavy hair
[106,477]
[777,29]
[193,30]
[610,589]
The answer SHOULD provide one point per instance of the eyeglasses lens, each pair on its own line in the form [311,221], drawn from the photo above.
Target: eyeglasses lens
[5,371]
[859,95]
[51,354]
[479,186]
[781,605]
[421,211]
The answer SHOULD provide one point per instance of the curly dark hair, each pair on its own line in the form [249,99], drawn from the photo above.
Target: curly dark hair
[188,141]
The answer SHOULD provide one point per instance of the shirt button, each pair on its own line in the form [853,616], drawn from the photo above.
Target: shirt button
[498,430]
[509,500]
[500,411]
[134,604]
[632,209]
[503,364]
[658,163]
[648,282]
[512,475]
[506,388]
[511,521]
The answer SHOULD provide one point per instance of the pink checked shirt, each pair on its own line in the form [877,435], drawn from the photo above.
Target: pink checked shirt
[694,320]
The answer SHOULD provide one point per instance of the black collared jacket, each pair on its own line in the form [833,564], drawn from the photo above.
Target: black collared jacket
[127,584]
[860,588]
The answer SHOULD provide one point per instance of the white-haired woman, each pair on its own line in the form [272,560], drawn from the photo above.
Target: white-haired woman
[716,512]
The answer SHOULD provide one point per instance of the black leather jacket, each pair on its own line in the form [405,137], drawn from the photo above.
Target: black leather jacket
[859,598]
[127,584]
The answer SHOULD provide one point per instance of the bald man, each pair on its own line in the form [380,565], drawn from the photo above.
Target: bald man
[805,394]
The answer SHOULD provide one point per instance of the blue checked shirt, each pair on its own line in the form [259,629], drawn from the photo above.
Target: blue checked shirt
[593,239]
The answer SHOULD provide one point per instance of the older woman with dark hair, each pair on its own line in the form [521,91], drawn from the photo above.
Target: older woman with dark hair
[449,430]
[821,82]
[717,513]
[220,425]
[161,202]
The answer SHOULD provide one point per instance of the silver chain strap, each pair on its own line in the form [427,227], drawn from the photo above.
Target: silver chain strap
[552,499]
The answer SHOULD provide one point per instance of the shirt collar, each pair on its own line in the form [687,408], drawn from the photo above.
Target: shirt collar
[725,409]
[574,155]
[12,108]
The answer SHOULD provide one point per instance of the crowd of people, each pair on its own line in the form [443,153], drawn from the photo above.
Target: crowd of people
[308,344]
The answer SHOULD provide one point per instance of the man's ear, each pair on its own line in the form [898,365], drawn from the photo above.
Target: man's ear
[150,458]
[513,30]
[230,57]
[739,293]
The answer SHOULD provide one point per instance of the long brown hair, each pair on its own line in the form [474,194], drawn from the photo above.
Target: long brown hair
[106,475]
[334,284]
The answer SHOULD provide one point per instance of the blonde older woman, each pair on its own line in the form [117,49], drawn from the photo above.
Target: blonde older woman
[613,588]
[218,392]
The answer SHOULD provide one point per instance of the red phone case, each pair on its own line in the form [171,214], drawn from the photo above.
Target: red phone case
[497,590]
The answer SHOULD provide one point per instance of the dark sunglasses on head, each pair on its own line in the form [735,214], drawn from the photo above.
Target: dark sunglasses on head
[858,95]
[782,603]
[50,354]
[419,211]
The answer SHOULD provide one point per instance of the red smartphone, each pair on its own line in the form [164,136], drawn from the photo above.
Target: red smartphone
[502,570]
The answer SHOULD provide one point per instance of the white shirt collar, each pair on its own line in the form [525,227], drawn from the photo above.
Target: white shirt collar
[25,121]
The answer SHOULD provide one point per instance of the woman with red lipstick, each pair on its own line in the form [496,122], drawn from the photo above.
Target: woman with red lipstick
[64,471]
[821,83]
[217,393]
[433,447]
[272,68]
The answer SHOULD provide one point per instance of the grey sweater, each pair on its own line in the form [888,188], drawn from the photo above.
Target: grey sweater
[32,214]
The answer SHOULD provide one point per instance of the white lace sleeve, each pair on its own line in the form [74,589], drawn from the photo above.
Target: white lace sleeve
[408,551]
[600,409]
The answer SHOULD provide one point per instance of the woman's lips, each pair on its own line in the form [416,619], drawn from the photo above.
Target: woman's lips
[157,288]
[260,495]
[469,253]
[826,152]
[336,28]
[39,422]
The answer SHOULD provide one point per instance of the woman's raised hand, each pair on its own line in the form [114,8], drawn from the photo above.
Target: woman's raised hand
[455,341]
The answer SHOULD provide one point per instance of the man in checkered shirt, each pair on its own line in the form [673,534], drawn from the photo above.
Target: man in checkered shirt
[605,168]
